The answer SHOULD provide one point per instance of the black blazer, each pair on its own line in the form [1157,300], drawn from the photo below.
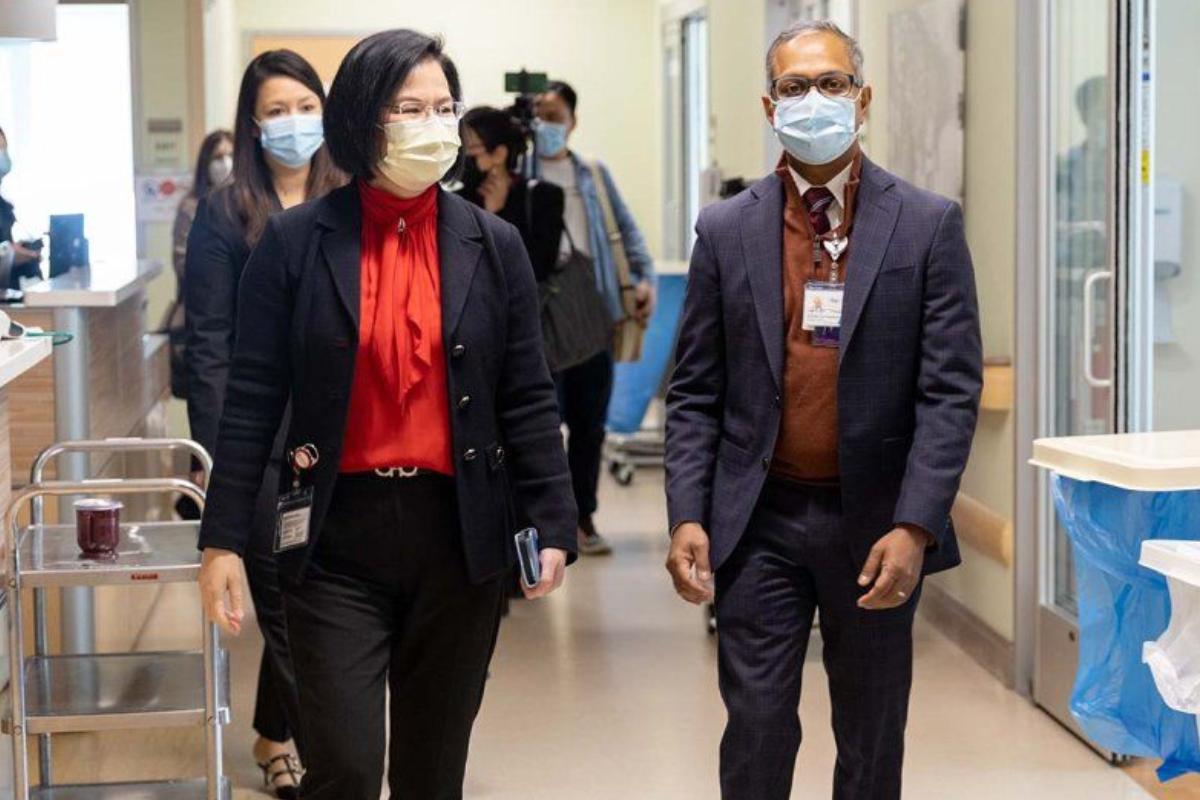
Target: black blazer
[297,333]
[538,214]
[909,376]
[216,254]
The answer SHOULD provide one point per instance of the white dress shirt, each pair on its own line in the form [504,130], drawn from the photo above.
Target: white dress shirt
[837,185]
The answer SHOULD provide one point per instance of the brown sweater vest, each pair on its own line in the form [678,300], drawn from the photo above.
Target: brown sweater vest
[807,447]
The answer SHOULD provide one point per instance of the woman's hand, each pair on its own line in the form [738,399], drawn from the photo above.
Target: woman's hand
[554,569]
[221,574]
[494,191]
[23,255]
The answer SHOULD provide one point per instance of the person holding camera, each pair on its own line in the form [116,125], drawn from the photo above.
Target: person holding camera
[593,207]
[493,143]
[17,259]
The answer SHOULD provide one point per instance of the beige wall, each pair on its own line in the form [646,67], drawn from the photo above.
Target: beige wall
[1177,365]
[607,50]
[162,84]
[982,585]
[737,32]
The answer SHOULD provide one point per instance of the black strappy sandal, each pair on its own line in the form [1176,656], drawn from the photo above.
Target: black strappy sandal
[289,765]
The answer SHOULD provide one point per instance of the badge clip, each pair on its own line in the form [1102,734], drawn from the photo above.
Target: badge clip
[835,247]
[303,458]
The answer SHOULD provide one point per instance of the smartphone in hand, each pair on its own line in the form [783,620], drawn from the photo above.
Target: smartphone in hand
[528,557]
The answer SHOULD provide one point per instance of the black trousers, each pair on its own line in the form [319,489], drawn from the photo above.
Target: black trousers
[277,704]
[792,562]
[583,394]
[386,604]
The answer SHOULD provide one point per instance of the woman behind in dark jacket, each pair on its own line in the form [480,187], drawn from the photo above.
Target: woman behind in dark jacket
[402,321]
[494,144]
[279,161]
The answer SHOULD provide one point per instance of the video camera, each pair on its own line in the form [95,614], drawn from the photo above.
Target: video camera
[527,86]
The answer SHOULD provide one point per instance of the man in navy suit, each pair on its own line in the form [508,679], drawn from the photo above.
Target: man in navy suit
[819,420]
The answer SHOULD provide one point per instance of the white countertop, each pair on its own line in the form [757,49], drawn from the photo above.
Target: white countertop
[1152,462]
[18,356]
[101,286]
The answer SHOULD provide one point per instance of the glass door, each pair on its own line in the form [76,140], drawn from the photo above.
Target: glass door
[1095,313]
[1080,323]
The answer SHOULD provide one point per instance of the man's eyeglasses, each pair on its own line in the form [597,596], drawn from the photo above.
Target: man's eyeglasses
[412,111]
[831,84]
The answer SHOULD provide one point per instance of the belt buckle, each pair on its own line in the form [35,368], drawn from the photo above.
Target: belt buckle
[397,472]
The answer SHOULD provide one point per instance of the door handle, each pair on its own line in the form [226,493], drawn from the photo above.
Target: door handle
[1089,328]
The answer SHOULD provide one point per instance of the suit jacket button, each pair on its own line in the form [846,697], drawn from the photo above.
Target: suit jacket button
[778,402]
[464,401]
[499,455]
[766,462]
[458,352]
[470,455]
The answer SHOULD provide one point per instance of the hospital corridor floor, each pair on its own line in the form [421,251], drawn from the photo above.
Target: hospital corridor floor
[608,691]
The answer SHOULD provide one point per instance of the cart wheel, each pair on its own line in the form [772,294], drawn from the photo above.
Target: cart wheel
[623,473]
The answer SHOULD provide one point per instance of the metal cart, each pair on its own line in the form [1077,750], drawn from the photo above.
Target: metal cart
[51,694]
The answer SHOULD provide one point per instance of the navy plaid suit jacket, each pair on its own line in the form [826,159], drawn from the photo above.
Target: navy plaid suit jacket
[909,375]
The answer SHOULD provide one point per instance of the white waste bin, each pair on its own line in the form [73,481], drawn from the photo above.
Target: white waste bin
[1120,497]
[1174,658]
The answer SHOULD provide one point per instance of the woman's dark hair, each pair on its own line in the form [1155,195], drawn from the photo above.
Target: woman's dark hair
[365,84]
[252,196]
[564,90]
[201,183]
[495,128]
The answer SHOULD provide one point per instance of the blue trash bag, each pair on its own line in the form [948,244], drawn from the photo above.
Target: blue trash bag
[635,383]
[1123,605]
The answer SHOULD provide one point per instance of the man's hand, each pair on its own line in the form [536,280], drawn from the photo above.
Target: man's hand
[554,569]
[221,574]
[894,565]
[644,299]
[688,563]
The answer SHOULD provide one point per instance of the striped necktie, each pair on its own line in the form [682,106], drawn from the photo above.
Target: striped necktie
[817,200]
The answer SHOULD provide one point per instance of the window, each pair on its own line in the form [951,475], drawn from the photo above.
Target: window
[68,114]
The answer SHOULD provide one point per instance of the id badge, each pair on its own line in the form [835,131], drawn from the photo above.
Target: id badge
[293,515]
[823,311]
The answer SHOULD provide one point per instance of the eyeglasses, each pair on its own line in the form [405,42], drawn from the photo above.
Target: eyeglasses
[412,111]
[831,84]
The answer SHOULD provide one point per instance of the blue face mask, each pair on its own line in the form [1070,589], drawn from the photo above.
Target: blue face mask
[5,163]
[551,137]
[816,129]
[293,139]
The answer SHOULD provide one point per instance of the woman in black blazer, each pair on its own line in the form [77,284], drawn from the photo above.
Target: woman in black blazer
[493,144]
[280,93]
[398,512]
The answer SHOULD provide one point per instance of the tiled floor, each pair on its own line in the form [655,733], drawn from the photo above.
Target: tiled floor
[607,691]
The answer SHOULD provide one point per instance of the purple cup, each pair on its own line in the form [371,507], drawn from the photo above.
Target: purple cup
[98,527]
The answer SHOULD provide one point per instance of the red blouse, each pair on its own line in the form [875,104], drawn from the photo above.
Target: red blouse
[399,404]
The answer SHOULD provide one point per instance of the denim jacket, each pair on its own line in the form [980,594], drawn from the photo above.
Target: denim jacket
[641,266]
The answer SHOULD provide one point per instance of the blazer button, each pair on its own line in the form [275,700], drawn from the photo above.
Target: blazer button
[458,352]
[766,462]
[464,401]
[778,402]
[499,455]
[470,455]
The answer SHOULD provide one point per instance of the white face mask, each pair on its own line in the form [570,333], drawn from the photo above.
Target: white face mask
[419,154]
[219,169]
